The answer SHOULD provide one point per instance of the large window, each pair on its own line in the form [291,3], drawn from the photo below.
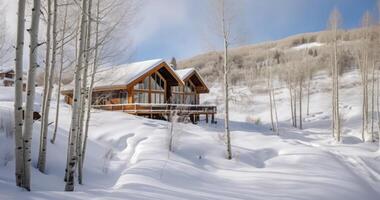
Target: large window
[190,96]
[177,95]
[141,97]
[150,90]
[123,97]
[184,95]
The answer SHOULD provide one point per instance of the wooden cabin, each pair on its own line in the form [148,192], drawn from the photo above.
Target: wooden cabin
[149,88]
[7,77]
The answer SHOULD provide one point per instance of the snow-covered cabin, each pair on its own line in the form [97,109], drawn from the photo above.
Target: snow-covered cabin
[6,76]
[149,88]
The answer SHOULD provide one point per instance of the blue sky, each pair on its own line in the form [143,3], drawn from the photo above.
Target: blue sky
[180,28]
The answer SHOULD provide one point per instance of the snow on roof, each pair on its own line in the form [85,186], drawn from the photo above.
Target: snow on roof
[4,69]
[184,73]
[124,74]
[120,75]
[307,46]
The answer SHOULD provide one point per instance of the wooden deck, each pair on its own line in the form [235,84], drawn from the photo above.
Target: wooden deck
[193,111]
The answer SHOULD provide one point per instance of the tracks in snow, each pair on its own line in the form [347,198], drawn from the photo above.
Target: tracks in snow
[357,165]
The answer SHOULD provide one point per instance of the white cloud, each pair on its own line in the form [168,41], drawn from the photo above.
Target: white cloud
[155,15]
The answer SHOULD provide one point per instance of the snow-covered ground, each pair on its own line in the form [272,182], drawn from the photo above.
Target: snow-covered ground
[128,156]
[307,46]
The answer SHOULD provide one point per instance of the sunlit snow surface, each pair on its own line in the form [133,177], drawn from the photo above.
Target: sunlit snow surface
[307,46]
[128,158]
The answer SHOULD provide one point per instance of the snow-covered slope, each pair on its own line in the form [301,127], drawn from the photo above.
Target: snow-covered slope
[307,46]
[128,156]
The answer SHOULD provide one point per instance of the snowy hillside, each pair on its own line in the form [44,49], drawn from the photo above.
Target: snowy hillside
[128,156]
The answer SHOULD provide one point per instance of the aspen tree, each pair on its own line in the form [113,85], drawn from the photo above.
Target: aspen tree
[300,96]
[33,65]
[59,82]
[363,60]
[334,23]
[84,93]
[46,74]
[72,157]
[269,88]
[92,80]
[18,93]
[44,129]
[225,20]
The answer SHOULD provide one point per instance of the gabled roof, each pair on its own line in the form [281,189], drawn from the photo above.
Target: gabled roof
[184,73]
[193,75]
[123,75]
[126,74]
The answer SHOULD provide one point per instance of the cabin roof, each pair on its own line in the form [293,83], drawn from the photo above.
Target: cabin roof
[4,69]
[126,74]
[184,73]
[193,75]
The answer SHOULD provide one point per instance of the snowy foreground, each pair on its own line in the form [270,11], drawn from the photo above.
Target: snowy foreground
[128,157]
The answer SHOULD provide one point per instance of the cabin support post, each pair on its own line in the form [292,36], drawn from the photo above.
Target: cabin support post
[213,119]
[206,118]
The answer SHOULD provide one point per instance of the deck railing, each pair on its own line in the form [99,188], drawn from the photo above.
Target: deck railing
[141,108]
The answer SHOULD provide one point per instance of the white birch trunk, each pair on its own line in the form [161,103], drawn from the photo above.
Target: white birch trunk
[275,110]
[45,128]
[308,92]
[226,102]
[60,76]
[291,104]
[92,81]
[295,105]
[33,65]
[18,93]
[300,103]
[84,94]
[270,97]
[47,70]
[72,160]
[373,103]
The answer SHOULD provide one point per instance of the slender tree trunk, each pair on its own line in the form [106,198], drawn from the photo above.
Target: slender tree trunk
[337,87]
[45,128]
[76,103]
[295,106]
[84,94]
[18,93]
[373,103]
[77,55]
[300,103]
[365,95]
[270,99]
[378,106]
[93,72]
[333,122]
[46,74]
[291,105]
[308,95]
[33,65]
[275,111]
[60,76]
[226,102]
